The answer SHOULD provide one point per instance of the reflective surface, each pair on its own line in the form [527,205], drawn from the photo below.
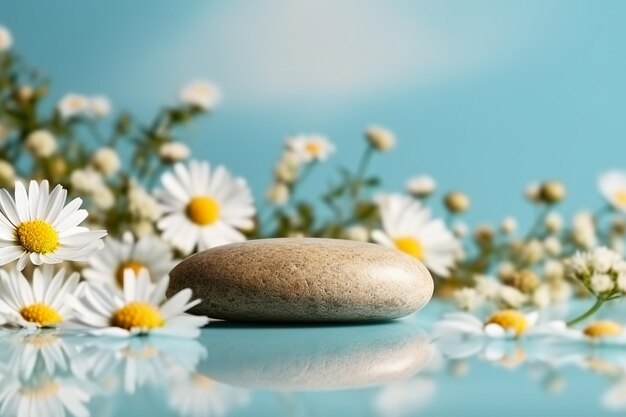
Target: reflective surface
[386,369]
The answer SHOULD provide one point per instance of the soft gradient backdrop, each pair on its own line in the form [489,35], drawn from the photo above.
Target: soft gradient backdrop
[486,96]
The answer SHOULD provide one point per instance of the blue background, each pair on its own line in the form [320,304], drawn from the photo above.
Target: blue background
[486,96]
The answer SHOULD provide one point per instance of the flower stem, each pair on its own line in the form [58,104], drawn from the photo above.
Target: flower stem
[588,313]
[360,172]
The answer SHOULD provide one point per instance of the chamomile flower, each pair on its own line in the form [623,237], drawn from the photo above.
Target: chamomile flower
[107,265]
[203,207]
[73,105]
[600,332]
[140,309]
[310,148]
[507,324]
[44,303]
[37,227]
[201,95]
[408,227]
[612,186]
[6,39]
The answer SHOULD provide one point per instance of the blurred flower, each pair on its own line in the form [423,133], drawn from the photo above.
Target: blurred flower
[456,202]
[310,148]
[468,299]
[106,160]
[6,39]
[508,225]
[511,297]
[552,192]
[203,207]
[597,270]
[141,309]
[72,105]
[172,152]
[108,264]
[84,181]
[612,186]
[99,106]
[278,194]
[552,245]
[553,270]
[584,230]
[501,324]
[531,192]
[405,398]
[460,229]
[103,198]
[141,205]
[201,95]
[356,232]
[421,186]
[604,332]
[37,226]
[408,227]
[41,143]
[380,138]
[47,302]
[7,172]
[553,222]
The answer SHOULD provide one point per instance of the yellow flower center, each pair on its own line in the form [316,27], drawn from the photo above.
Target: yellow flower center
[203,210]
[37,236]
[603,328]
[137,315]
[134,265]
[509,320]
[43,315]
[314,148]
[41,390]
[620,197]
[410,246]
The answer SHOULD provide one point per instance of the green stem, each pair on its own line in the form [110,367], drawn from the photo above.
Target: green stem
[360,172]
[536,227]
[588,313]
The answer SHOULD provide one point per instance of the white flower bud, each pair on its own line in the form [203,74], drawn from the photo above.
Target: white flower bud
[357,233]
[380,138]
[421,186]
[7,172]
[201,95]
[552,245]
[601,283]
[6,39]
[103,198]
[41,143]
[278,194]
[467,299]
[99,106]
[172,152]
[553,222]
[72,105]
[106,160]
[509,225]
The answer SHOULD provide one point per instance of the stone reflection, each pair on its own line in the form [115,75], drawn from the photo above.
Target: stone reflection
[44,374]
[314,357]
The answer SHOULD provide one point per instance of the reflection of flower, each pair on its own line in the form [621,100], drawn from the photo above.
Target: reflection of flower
[615,397]
[409,228]
[405,398]
[108,265]
[600,332]
[195,395]
[47,302]
[141,309]
[203,207]
[37,226]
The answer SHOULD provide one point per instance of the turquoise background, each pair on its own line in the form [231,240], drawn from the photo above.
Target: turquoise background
[486,96]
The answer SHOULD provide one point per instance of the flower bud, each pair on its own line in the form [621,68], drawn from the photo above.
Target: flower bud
[457,202]
[552,192]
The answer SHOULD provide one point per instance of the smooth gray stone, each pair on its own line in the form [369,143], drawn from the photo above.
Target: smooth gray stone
[313,357]
[304,280]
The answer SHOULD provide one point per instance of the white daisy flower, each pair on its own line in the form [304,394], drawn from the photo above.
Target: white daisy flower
[612,186]
[107,265]
[141,309]
[203,207]
[72,105]
[44,303]
[99,106]
[37,226]
[507,324]
[310,148]
[600,332]
[201,94]
[408,227]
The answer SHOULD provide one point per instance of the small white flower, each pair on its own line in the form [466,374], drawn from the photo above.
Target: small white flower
[509,225]
[421,186]
[203,207]
[171,152]
[531,192]
[584,230]
[380,138]
[310,148]
[553,222]
[602,259]
[621,282]
[201,95]
[41,143]
[99,106]
[357,233]
[141,309]
[278,194]
[37,226]
[142,205]
[103,198]
[408,227]
[6,39]
[612,186]
[7,172]
[552,245]
[542,296]
[460,229]
[601,283]
[84,181]
[553,270]
[108,264]
[106,160]
[487,287]
[468,299]
[44,303]
[73,105]
[511,297]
